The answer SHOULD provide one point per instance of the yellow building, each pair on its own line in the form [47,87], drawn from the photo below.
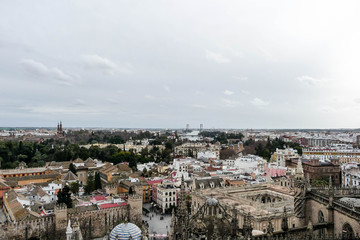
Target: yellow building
[142,186]
[118,170]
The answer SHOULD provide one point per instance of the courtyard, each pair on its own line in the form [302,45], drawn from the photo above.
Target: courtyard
[159,224]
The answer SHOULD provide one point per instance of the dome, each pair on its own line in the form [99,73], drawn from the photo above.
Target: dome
[211,202]
[125,231]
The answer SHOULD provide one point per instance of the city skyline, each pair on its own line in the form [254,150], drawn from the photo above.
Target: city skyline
[122,64]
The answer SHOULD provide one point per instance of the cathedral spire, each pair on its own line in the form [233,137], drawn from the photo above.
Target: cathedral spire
[69,231]
[299,169]
[182,214]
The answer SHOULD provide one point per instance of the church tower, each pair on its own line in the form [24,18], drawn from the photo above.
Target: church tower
[180,223]
[59,131]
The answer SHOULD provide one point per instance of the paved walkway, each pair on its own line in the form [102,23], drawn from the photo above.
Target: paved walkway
[157,226]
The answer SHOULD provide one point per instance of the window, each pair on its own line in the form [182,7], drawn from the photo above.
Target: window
[348,231]
[321,219]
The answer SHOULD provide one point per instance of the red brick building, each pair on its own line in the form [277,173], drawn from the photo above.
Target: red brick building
[314,169]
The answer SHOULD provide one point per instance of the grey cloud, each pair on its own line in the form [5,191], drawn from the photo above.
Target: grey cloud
[167,88]
[309,80]
[104,64]
[259,102]
[228,92]
[39,69]
[216,57]
[173,63]
[229,103]
[200,106]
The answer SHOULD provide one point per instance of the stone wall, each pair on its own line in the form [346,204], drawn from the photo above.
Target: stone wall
[342,219]
[92,224]
[44,227]
[313,209]
[97,223]
[335,215]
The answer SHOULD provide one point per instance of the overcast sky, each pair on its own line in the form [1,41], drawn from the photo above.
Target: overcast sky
[228,64]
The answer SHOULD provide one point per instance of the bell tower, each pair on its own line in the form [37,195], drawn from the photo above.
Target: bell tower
[59,131]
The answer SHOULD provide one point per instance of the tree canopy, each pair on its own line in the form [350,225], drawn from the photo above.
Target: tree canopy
[64,196]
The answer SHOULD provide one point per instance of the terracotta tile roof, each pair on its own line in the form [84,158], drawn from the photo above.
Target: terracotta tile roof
[112,205]
[3,185]
[64,164]
[89,160]
[108,169]
[78,160]
[69,176]
[98,198]
[53,175]
[41,192]
[14,206]
[124,167]
[151,182]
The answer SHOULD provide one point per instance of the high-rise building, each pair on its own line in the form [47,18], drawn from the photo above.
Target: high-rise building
[201,127]
[187,127]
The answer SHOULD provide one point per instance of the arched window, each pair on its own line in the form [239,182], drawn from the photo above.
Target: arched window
[263,200]
[321,219]
[347,231]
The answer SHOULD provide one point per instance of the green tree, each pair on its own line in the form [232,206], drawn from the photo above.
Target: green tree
[72,168]
[90,184]
[259,149]
[97,181]
[64,196]
[145,152]
[83,153]
[74,187]
[22,157]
